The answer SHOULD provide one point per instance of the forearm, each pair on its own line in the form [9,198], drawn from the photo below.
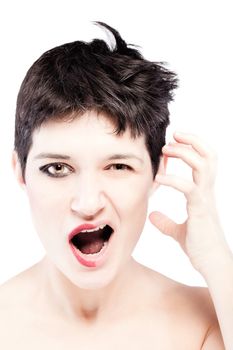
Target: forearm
[219,278]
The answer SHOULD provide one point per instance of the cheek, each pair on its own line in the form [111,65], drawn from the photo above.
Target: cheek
[133,195]
[47,205]
[131,204]
[43,194]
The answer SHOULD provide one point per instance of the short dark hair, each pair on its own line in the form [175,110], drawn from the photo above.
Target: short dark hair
[76,77]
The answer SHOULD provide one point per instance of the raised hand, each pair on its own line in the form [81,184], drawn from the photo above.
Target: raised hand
[200,236]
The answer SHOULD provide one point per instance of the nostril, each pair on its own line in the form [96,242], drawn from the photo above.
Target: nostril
[86,210]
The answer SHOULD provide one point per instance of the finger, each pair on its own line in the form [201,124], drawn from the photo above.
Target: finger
[204,169]
[187,154]
[188,188]
[168,227]
[163,223]
[196,142]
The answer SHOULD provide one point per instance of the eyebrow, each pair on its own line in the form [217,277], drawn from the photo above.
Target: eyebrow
[111,157]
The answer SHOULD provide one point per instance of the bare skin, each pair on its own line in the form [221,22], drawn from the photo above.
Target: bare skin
[153,312]
[59,304]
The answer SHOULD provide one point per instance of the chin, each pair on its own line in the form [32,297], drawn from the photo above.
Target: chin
[95,281]
[100,278]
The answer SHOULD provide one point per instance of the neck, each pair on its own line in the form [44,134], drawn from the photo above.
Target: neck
[88,305]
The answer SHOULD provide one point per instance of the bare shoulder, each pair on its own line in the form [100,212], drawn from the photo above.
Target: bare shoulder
[14,292]
[183,298]
[188,311]
[195,300]
[17,296]
[198,307]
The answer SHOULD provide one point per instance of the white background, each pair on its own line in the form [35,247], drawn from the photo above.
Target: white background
[194,37]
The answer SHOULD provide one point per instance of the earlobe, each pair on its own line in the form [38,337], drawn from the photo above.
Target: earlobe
[17,169]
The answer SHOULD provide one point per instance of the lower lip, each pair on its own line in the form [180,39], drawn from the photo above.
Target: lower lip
[93,260]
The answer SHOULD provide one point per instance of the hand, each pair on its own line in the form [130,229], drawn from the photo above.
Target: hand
[200,236]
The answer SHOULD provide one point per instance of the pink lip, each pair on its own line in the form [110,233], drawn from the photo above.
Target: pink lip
[86,226]
[89,262]
[79,229]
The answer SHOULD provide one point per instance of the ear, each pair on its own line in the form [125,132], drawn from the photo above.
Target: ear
[161,170]
[17,169]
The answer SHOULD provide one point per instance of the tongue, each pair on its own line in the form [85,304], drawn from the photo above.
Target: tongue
[92,247]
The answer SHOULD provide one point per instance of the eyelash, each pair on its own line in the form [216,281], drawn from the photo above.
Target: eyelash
[45,168]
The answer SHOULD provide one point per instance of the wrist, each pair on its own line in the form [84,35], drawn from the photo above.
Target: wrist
[215,262]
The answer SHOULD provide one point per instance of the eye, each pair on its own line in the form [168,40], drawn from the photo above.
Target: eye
[120,166]
[56,169]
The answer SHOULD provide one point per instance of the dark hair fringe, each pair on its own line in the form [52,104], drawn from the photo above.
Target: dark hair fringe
[75,77]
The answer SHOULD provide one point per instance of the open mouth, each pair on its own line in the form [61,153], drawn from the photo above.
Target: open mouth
[92,242]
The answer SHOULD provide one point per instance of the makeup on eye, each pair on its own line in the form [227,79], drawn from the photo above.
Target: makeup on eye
[56,169]
[59,169]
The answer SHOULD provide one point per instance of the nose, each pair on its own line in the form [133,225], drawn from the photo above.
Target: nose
[88,199]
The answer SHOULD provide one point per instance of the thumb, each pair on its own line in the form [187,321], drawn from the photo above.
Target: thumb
[167,225]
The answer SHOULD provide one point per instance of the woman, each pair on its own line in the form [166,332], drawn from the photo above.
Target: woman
[89,152]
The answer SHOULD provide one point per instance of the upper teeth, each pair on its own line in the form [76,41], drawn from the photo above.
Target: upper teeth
[94,229]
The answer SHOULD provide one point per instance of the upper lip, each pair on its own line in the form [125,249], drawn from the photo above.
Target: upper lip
[87,226]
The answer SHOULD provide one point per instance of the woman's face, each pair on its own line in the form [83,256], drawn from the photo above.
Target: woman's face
[72,178]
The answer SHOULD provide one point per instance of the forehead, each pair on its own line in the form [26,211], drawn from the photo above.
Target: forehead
[89,132]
